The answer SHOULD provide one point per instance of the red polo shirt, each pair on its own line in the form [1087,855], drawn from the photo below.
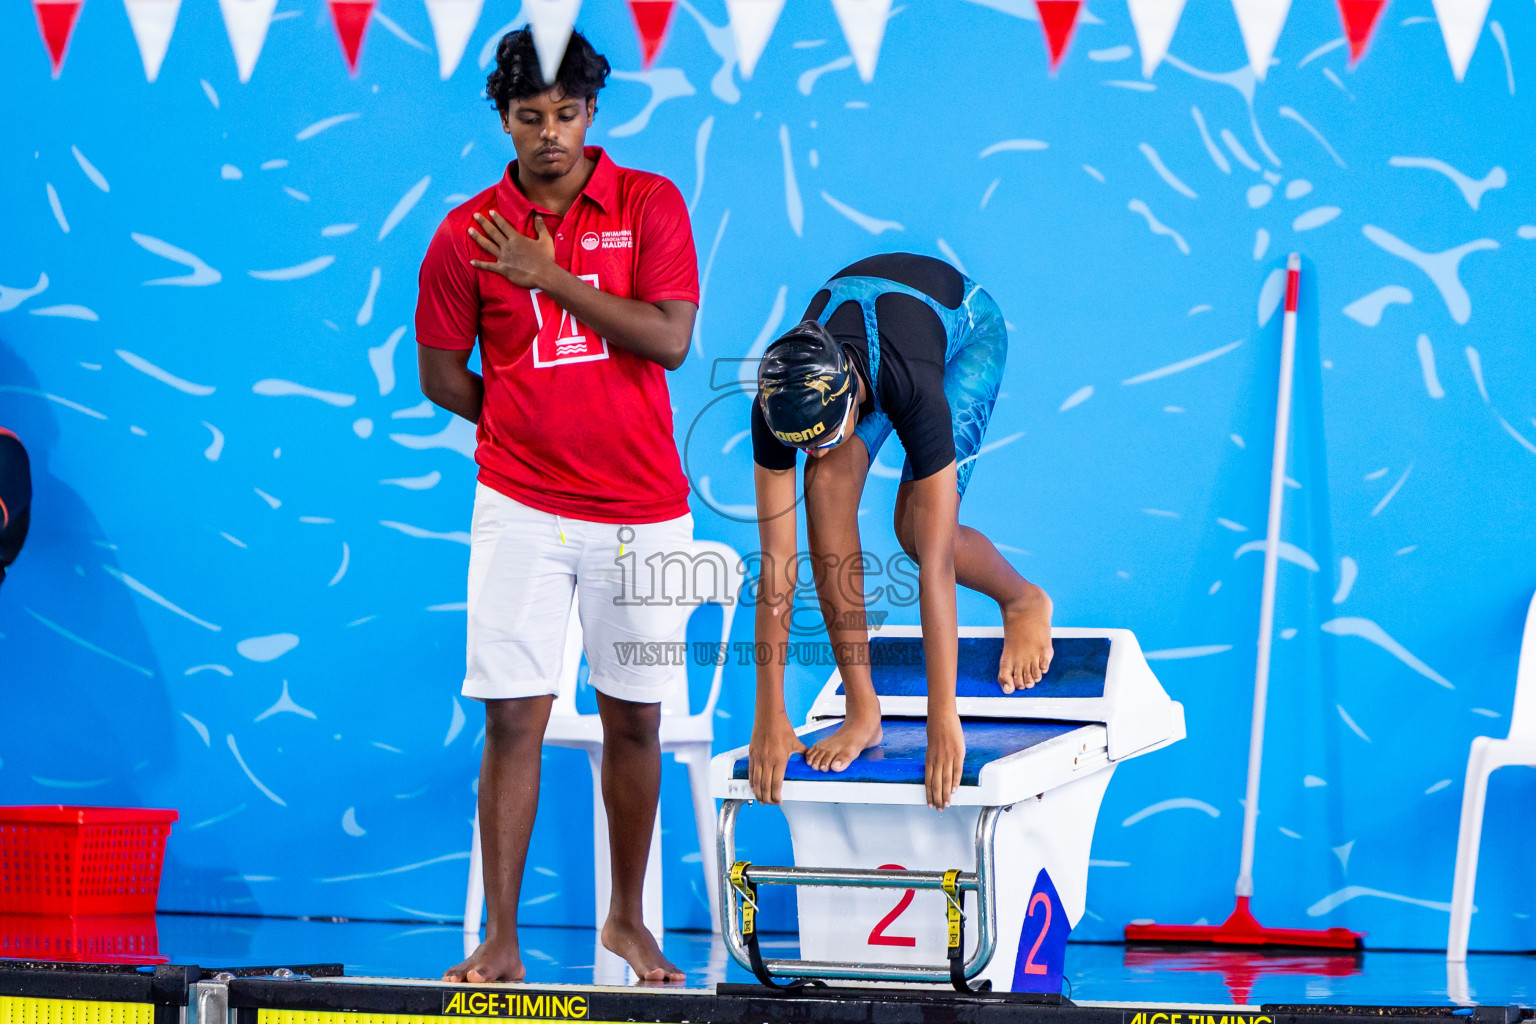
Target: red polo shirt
[571,425]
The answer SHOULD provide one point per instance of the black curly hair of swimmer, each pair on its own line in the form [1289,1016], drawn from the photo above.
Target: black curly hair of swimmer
[583,71]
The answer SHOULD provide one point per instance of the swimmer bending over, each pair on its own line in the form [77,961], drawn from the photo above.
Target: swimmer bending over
[894,342]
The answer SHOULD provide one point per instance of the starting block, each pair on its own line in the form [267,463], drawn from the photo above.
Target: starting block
[882,879]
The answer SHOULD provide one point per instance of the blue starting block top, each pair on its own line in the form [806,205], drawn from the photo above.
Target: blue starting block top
[1098,704]
[1078,668]
[900,756]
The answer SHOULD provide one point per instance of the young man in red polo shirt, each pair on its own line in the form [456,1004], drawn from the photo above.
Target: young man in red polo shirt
[580,281]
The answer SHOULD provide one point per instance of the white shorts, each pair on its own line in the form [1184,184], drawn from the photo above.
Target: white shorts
[525,565]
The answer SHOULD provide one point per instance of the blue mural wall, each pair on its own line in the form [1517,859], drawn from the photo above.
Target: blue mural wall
[242,596]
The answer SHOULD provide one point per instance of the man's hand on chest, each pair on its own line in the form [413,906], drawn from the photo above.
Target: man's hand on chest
[526,262]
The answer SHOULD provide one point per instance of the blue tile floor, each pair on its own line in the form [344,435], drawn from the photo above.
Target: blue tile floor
[1097,973]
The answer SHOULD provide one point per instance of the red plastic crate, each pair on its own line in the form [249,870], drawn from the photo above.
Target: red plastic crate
[88,861]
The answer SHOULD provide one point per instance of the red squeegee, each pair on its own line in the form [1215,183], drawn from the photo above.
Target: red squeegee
[1242,929]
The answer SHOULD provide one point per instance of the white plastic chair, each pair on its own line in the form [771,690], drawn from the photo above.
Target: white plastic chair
[687,737]
[1488,754]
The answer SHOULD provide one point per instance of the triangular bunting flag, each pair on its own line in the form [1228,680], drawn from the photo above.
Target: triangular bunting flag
[752,23]
[551,22]
[56,22]
[1058,18]
[246,22]
[1359,18]
[651,20]
[863,23]
[1461,23]
[351,20]
[1260,22]
[453,22]
[153,22]
[1155,21]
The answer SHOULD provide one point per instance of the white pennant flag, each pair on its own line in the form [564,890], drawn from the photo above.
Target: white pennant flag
[551,22]
[153,22]
[453,22]
[752,23]
[863,24]
[246,21]
[1154,21]
[1461,24]
[1260,22]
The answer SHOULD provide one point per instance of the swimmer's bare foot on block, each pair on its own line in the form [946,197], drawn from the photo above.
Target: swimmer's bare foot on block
[492,961]
[860,731]
[637,945]
[1027,648]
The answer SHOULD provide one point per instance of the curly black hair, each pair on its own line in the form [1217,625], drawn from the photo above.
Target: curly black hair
[583,71]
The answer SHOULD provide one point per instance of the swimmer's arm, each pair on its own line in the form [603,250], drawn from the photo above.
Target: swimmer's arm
[448,381]
[659,331]
[773,738]
[936,511]
[775,490]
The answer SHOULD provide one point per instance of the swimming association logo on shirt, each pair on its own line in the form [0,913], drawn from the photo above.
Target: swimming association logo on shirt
[590,241]
[562,338]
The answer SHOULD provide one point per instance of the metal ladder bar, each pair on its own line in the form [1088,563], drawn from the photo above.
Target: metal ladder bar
[981,882]
[858,878]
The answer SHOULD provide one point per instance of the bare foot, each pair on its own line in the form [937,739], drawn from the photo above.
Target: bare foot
[1027,648]
[860,731]
[636,944]
[494,960]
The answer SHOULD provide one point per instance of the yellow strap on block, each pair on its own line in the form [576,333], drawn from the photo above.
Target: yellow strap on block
[951,897]
[742,884]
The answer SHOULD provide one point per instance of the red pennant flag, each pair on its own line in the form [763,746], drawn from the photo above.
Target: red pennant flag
[1359,18]
[56,22]
[651,20]
[1058,18]
[351,20]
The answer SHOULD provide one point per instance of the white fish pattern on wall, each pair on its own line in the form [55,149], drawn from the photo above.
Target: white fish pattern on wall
[261,400]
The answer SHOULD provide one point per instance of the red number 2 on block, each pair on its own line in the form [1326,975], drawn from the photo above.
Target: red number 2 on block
[877,936]
[1030,967]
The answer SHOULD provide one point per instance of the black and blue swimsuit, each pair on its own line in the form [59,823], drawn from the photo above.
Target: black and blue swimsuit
[930,345]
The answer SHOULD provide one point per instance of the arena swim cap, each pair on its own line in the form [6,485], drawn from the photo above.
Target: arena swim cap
[805,385]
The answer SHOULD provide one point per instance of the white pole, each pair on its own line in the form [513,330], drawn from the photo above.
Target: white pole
[1271,565]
